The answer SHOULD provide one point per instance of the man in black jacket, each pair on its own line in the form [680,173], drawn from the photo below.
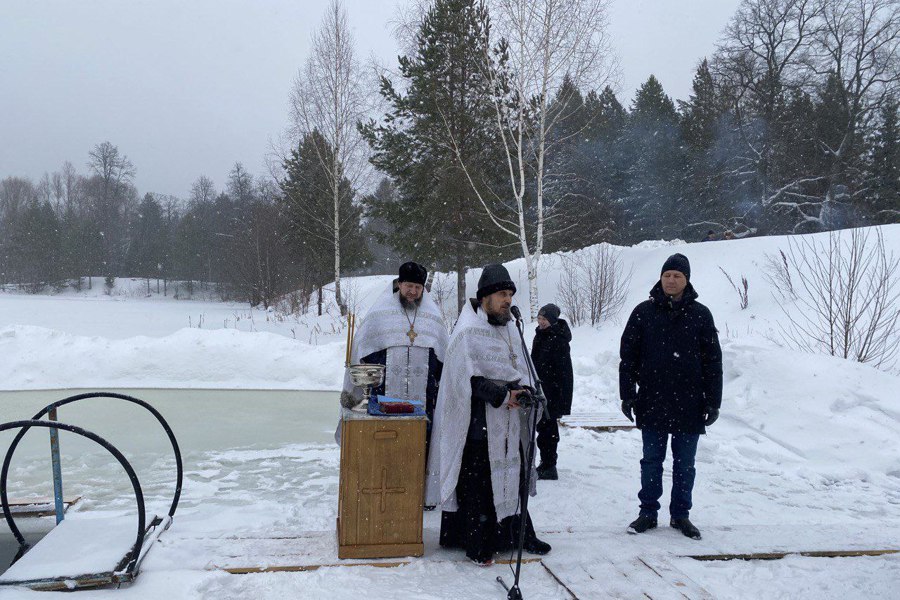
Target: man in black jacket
[670,377]
[553,362]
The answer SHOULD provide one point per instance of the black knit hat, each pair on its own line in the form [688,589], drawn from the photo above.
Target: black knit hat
[677,262]
[549,312]
[413,273]
[493,279]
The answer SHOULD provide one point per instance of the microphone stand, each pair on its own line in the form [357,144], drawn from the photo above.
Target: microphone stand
[540,405]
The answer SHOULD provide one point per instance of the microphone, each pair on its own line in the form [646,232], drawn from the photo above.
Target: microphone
[516,312]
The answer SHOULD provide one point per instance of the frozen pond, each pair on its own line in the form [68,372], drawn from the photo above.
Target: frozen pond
[202,420]
[224,436]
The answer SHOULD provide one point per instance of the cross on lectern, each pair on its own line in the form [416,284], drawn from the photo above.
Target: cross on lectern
[384,490]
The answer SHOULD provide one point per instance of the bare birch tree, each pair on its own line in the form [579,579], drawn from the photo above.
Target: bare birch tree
[329,96]
[593,285]
[543,42]
[847,297]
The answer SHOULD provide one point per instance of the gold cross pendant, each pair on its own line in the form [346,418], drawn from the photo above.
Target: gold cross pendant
[411,334]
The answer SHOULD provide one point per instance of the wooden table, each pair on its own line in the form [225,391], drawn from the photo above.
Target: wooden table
[382,486]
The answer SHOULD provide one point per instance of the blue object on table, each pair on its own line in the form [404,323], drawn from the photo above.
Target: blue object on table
[375,411]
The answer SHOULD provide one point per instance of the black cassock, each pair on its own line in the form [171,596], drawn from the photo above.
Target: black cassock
[474,527]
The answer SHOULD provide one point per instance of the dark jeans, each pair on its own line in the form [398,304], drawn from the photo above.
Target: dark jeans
[548,440]
[684,449]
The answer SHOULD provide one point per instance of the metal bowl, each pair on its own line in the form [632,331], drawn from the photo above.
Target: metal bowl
[367,375]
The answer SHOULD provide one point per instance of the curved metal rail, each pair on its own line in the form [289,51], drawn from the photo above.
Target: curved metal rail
[4,473]
[130,560]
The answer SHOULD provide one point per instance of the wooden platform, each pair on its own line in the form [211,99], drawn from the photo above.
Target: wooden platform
[587,562]
[82,553]
[39,507]
[601,421]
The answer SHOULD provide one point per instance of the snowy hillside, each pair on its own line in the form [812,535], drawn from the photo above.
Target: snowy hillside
[136,341]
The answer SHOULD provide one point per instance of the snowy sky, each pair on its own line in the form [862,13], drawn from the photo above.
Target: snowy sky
[188,88]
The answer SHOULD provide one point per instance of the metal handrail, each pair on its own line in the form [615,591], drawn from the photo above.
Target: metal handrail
[129,561]
[4,473]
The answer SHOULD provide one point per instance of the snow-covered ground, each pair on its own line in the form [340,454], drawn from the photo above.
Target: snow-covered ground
[804,457]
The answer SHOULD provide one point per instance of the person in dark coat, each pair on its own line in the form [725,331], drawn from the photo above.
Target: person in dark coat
[670,379]
[553,362]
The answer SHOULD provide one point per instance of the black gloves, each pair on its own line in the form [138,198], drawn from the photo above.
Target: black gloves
[711,415]
[628,408]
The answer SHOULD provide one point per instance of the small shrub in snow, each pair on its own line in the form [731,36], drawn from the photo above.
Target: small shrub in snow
[778,273]
[741,291]
[848,297]
[593,285]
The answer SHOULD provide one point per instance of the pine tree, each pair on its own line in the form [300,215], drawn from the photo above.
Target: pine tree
[308,208]
[606,162]
[886,165]
[437,218]
[653,207]
[705,129]
[585,173]
[702,112]
[147,245]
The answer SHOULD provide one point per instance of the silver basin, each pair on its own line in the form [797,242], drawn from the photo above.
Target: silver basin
[367,375]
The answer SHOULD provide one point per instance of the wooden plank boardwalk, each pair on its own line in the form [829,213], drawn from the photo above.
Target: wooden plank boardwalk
[598,421]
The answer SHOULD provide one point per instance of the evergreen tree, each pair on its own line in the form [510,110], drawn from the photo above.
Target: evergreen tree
[885,204]
[308,208]
[706,128]
[148,240]
[606,162]
[584,175]
[702,112]
[437,218]
[382,258]
[32,247]
[653,207]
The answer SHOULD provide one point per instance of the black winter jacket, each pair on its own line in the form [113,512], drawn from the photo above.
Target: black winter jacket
[553,362]
[670,352]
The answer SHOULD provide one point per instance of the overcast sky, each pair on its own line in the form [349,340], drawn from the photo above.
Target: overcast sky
[187,88]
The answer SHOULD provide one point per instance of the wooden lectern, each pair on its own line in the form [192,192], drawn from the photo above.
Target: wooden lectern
[382,486]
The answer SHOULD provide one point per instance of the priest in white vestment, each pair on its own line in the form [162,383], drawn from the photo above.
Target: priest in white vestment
[404,330]
[475,463]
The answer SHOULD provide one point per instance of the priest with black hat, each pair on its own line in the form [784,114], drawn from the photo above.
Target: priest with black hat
[475,464]
[404,330]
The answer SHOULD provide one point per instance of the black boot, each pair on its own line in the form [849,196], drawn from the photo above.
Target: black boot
[536,546]
[686,527]
[642,523]
[532,543]
[547,471]
[509,536]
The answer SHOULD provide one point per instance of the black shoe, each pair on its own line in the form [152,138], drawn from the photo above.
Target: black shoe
[548,472]
[686,527]
[481,562]
[536,546]
[642,524]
